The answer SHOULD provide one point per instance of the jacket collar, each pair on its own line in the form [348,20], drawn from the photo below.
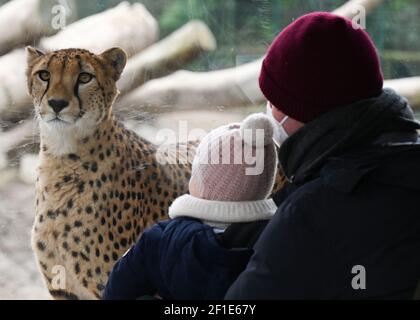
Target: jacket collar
[345,128]
[222,213]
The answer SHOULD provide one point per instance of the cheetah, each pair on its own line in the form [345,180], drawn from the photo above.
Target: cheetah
[99,185]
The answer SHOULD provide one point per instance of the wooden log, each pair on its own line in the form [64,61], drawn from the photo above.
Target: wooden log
[26,21]
[24,131]
[232,87]
[131,27]
[188,90]
[407,87]
[184,90]
[128,26]
[20,19]
[350,8]
[167,55]
[14,100]
[20,139]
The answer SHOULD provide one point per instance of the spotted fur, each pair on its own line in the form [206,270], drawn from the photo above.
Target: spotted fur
[99,185]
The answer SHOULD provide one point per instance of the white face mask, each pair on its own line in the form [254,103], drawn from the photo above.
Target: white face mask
[280,134]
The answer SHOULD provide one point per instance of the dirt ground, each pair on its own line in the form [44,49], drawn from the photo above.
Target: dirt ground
[19,276]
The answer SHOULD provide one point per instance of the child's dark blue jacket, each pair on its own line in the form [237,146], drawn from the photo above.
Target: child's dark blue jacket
[181,259]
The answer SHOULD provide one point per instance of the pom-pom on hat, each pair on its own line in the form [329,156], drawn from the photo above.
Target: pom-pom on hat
[236,162]
[252,124]
[318,63]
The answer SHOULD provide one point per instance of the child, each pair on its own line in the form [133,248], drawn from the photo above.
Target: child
[209,239]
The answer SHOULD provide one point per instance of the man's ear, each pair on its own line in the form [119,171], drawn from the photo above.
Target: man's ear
[32,54]
[117,58]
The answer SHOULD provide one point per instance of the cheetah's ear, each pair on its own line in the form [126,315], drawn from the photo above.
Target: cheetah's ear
[117,58]
[32,54]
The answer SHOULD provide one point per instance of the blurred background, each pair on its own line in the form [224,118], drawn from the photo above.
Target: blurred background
[190,60]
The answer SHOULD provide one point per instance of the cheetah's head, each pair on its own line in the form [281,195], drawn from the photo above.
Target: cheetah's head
[73,89]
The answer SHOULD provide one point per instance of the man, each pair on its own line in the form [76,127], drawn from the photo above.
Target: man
[348,223]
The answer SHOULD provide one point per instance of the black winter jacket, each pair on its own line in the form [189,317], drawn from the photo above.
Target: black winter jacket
[348,226]
[359,212]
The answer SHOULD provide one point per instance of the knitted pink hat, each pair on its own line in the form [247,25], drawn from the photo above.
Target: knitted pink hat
[236,162]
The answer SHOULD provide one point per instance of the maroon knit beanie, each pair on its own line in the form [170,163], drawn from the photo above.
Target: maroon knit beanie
[318,63]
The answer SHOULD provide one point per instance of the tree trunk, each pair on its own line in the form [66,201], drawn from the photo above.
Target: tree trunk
[19,140]
[131,27]
[128,26]
[25,21]
[189,90]
[407,87]
[351,8]
[168,55]
[233,87]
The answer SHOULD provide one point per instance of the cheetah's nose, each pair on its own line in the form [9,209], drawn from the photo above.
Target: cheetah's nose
[58,105]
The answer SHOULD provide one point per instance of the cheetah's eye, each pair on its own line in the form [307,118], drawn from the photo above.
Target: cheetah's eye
[85,77]
[44,75]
